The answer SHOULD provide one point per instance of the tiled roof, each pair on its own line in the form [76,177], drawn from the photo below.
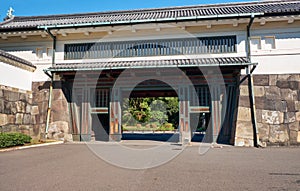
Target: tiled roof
[224,61]
[6,57]
[152,15]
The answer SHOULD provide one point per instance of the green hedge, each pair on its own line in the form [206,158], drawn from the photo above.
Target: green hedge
[13,139]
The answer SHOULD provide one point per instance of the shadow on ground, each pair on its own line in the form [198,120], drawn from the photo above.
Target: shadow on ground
[166,137]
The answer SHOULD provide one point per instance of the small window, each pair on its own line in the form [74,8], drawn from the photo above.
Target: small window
[255,43]
[49,52]
[269,42]
[39,53]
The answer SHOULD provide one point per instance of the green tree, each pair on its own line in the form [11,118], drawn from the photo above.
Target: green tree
[150,110]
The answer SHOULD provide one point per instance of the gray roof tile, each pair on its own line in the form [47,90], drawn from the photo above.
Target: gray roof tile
[267,7]
[224,61]
[6,55]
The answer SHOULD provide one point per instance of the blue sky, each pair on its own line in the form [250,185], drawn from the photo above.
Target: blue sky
[46,7]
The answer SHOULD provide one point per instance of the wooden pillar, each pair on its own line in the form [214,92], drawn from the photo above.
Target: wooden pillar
[184,116]
[85,131]
[216,111]
[75,110]
[115,114]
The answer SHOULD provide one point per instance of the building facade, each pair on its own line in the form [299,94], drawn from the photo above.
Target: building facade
[236,64]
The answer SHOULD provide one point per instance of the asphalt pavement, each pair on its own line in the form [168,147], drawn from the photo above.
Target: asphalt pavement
[78,167]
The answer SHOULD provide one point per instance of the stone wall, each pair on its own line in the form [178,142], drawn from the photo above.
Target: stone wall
[277,100]
[26,111]
[16,111]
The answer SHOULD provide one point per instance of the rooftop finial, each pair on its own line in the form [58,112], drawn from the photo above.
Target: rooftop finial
[9,14]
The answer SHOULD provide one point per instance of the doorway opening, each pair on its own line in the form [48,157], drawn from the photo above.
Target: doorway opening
[150,113]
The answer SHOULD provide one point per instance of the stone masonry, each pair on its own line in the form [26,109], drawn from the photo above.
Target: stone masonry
[17,113]
[26,112]
[277,100]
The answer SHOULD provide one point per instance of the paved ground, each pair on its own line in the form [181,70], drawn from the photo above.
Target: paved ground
[75,167]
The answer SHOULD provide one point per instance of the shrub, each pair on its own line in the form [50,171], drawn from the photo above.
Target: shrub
[168,125]
[13,139]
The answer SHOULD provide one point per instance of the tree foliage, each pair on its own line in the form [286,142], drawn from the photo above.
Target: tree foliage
[150,110]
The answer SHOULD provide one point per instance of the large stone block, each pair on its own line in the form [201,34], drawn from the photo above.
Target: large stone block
[288,94]
[10,128]
[242,142]
[5,129]
[33,120]
[22,97]
[40,96]
[58,94]
[26,119]
[19,118]
[272,80]
[297,105]
[260,102]
[60,105]
[293,137]
[60,116]
[290,105]
[294,85]
[244,101]
[273,92]
[261,80]
[283,77]
[11,119]
[244,90]
[3,119]
[263,131]
[244,129]
[294,77]
[58,130]
[28,108]
[294,126]
[11,96]
[259,91]
[270,104]
[289,117]
[10,107]
[43,107]
[41,118]
[278,134]
[34,110]
[36,130]
[258,115]
[1,106]
[298,137]
[297,116]
[244,114]
[272,117]
[21,107]
[283,84]
[24,127]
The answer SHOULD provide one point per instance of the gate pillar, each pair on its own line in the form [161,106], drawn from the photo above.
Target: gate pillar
[115,133]
[216,111]
[85,131]
[184,117]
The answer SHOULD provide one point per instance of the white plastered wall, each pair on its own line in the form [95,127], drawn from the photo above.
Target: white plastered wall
[15,77]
